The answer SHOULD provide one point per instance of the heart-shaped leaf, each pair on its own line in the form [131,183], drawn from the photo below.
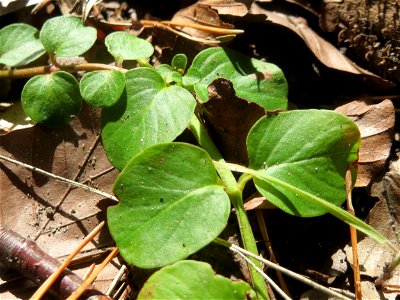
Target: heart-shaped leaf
[190,279]
[310,150]
[125,46]
[102,88]
[52,99]
[149,113]
[252,79]
[171,205]
[19,45]
[67,36]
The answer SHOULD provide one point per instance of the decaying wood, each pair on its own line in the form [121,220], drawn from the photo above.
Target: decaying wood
[371,30]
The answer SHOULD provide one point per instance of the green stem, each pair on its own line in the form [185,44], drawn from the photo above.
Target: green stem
[144,63]
[234,192]
[27,72]
[243,179]
[329,207]
[31,72]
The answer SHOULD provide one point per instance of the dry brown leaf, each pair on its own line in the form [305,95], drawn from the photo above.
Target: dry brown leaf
[376,123]
[14,118]
[385,217]
[29,200]
[230,119]
[200,14]
[229,7]
[324,51]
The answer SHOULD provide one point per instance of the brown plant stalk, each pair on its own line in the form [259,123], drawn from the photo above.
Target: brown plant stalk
[24,256]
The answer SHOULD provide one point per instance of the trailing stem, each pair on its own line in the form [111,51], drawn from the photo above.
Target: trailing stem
[329,207]
[234,191]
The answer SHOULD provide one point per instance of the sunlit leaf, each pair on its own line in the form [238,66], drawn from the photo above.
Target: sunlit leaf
[19,45]
[125,46]
[193,280]
[171,205]
[310,150]
[53,99]
[148,113]
[67,36]
[102,88]
[179,62]
[252,79]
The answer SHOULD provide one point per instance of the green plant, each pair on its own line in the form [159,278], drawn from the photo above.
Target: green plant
[174,197]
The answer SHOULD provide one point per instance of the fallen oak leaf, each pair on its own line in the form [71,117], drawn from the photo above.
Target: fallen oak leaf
[376,124]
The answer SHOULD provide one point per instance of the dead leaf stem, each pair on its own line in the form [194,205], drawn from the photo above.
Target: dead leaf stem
[75,295]
[264,233]
[353,235]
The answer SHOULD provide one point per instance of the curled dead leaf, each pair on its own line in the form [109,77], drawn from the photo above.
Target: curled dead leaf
[200,14]
[237,8]
[376,123]
[230,118]
[14,118]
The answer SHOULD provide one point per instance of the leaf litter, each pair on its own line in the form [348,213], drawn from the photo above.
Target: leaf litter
[83,207]
[50,212]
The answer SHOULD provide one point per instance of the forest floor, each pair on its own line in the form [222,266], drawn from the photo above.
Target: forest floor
[325,70]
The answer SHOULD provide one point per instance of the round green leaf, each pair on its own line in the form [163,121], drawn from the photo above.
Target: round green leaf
[102,88]
[191,77]
[164,70]
[149,113]
[19,45]
[179,62]
[125,46]
[67,36]
[190,279]
[52,99]
[308,149]
[169,75]
[171,205]
[252,79]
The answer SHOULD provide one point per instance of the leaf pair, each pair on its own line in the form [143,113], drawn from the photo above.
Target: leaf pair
[157,106]
[64,36]
[54,99]
[172,203]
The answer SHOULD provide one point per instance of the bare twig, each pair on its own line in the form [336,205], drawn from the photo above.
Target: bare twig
[264,233]
[59,178]
[266,277]
[285,271]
